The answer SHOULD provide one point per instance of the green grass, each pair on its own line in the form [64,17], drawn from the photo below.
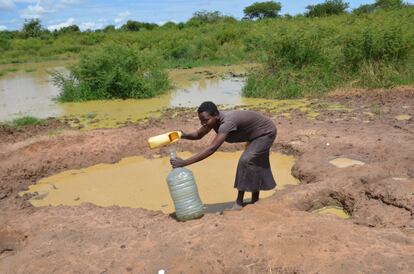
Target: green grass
[12,69]
[24,121]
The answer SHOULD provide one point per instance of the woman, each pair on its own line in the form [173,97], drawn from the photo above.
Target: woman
[253,170]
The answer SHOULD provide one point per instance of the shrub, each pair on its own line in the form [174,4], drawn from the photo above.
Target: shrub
[329,7]
[113,71]
[27,120]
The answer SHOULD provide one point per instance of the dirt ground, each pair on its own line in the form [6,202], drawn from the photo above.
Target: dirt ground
[279,234]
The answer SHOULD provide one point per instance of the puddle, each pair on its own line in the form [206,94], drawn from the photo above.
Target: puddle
[141,183]
[404,117]
[345,162]
[399,179]
[334,210]
[24,93]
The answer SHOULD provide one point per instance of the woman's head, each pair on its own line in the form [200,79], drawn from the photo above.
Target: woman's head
[208,114]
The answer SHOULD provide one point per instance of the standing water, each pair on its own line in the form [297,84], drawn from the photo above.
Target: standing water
[31,94]
[140,183]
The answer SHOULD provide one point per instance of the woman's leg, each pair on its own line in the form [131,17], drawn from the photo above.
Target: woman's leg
[255,196]
[240,197]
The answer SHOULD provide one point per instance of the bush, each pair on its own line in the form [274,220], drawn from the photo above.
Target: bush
[110,72]
[375,46]
[25,121]
[323,56]
[329,7]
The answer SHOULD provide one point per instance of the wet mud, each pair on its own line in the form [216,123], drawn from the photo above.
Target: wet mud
[280,234]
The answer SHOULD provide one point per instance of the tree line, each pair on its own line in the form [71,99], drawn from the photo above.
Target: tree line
[256,11]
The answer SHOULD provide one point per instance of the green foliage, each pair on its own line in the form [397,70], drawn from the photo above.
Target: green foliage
[300,55]
[113,71]
[27,120]
[364,9]
[375,45]
[371,52]
[380,5]
[69,29]
[170,25]
[109,28]
[136,26]
[5,44]
[389,4]
[260,10]
[32,28]
[208,17]
[328,8]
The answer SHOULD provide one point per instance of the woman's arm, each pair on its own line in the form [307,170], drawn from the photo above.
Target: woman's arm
[215,144]
[196,135]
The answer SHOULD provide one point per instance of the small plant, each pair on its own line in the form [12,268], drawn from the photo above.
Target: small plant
[376,108]
[12,69]
[26,120]
[30,70]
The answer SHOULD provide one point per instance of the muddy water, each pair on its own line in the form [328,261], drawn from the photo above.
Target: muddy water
[30,92]
[141,183]
[24,93]
[346,162]
[334,210]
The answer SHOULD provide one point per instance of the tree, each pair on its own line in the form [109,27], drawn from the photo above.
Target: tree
[136,26]
[363,9]
[260,10]
[389,4]
[329,7]
[69,29]
[380,4]
[109,28]
[206,17]
[32,28]
[131,26]
[170,25]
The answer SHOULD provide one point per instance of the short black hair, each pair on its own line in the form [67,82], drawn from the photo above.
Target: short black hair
[208,107]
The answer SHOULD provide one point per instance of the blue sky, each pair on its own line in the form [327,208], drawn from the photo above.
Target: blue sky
[93,14]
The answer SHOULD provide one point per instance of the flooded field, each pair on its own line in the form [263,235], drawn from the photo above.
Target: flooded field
[32,93]
[141,183]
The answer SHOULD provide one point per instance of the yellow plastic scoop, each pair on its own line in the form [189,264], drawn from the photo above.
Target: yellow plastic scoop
[164,139]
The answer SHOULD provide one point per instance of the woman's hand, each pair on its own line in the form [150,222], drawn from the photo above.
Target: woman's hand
[178,162]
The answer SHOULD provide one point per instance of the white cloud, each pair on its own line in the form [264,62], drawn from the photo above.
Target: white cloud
[34,11]
[122,16]
[58,26]
[66,3]
[39,7]
[6,5]
[91,25]
[69,2]
[3,28]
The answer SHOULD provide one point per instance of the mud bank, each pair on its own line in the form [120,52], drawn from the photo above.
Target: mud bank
[279,234]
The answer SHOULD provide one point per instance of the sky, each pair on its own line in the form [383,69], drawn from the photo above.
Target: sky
[96,14]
